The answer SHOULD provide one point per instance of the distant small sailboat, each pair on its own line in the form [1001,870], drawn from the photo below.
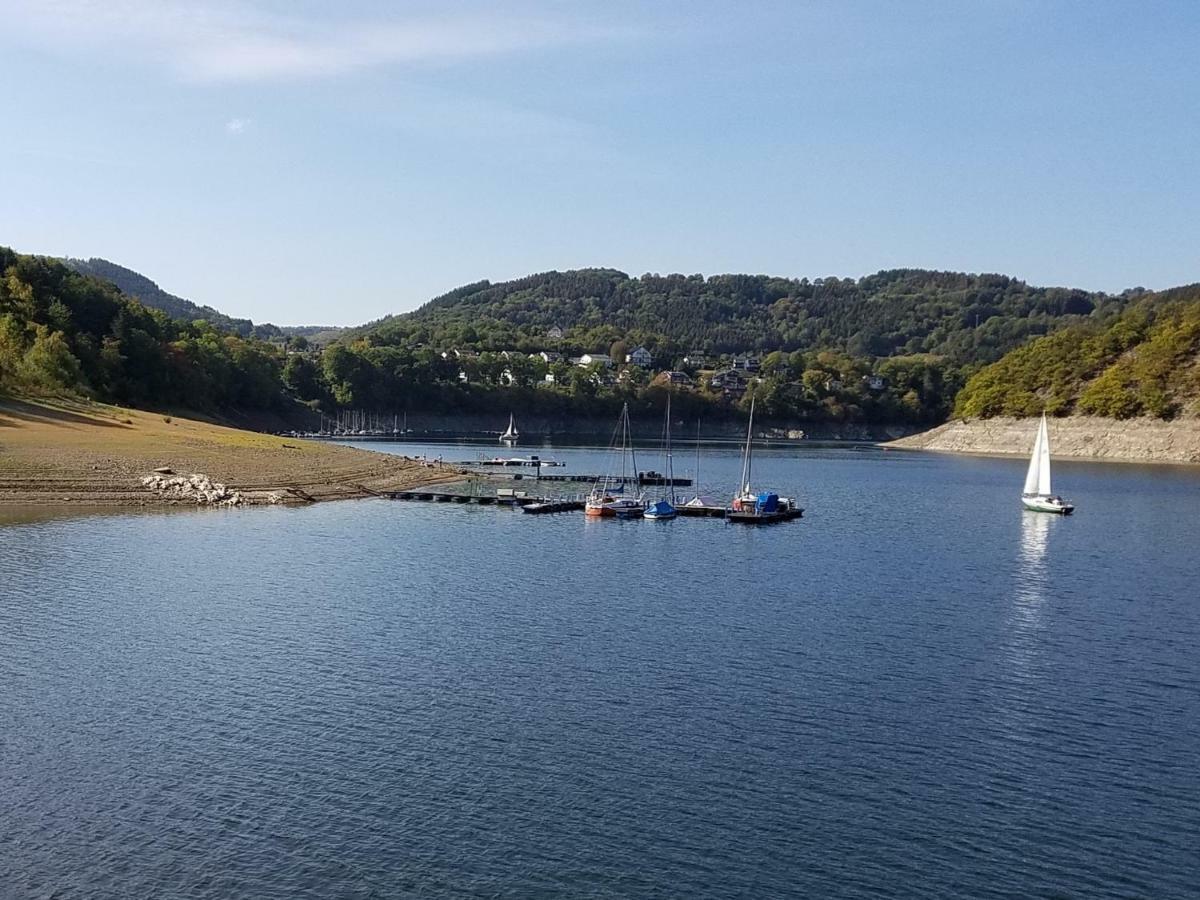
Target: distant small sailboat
[758,508]
[664,508]
[1037,494]
[700,501]
[511,435]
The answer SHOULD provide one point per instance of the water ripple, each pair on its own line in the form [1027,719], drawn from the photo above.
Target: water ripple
[916,691]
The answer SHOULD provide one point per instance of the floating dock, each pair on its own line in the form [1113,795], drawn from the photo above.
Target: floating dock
[531,462]
[542,505]
[709,512]
[647,479]
[527,503]
[552,506]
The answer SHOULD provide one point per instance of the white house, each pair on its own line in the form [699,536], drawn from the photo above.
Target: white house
[696,359]
[555,333]
[746,363]
[640,357]
[547,356]
[590,359]
[875,382]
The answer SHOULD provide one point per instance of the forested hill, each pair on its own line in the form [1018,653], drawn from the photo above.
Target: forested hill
[965,318]
[134,284]
[1144,362]
[64,332]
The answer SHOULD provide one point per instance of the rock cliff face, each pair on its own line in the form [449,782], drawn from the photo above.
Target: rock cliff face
[1085,437]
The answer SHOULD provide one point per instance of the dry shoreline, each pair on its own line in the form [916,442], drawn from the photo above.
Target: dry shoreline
[1076,437]
[77,452]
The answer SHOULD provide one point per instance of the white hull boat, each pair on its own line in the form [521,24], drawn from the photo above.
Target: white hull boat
[1038,495]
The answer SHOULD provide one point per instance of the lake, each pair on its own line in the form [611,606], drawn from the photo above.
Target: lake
[916,690]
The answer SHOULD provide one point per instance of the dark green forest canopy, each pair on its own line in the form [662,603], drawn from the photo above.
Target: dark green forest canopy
[966,318]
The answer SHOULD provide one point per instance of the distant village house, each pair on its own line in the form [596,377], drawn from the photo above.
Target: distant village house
[678,379]
[640,357]
[590,359]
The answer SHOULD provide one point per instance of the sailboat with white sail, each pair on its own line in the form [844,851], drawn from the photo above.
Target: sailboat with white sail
[608,497]
[664,507]
[1038,495]
[511,435]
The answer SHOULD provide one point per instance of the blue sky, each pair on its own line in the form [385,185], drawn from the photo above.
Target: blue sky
[305,162]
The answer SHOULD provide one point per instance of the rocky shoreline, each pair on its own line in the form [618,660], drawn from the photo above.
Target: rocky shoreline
[1079,437]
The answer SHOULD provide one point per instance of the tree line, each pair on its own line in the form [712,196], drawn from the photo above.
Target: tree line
[970,319]
[61,331]
[1143,362]
[901,346]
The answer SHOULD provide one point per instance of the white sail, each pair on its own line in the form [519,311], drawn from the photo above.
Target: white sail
[1043,485]
[1037,478]
[1033,474]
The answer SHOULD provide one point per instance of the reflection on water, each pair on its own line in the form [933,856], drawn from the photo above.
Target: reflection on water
[1035,535]
[1029,596]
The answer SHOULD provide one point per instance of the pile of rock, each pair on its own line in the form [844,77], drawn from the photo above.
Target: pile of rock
[197,488]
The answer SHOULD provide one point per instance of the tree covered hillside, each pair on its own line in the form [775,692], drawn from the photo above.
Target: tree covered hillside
[1144,362]
[134,284]
[966,318]
[61,331]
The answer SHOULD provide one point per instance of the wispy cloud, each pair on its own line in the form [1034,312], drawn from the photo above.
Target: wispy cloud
[237,126]
[210,40]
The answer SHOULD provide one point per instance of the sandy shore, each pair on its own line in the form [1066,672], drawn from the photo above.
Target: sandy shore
[55,452]
[1081,437]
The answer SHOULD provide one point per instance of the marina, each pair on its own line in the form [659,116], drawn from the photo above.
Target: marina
[535,504]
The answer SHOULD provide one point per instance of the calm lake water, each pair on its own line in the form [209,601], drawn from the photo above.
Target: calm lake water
[918,690]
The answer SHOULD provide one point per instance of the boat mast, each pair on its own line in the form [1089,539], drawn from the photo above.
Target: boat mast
[670,463]
[749,450]
[632,452]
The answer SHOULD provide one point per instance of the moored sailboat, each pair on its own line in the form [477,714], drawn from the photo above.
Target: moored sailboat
[607,497]
[1037,494]
[664,507]
[760,508]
